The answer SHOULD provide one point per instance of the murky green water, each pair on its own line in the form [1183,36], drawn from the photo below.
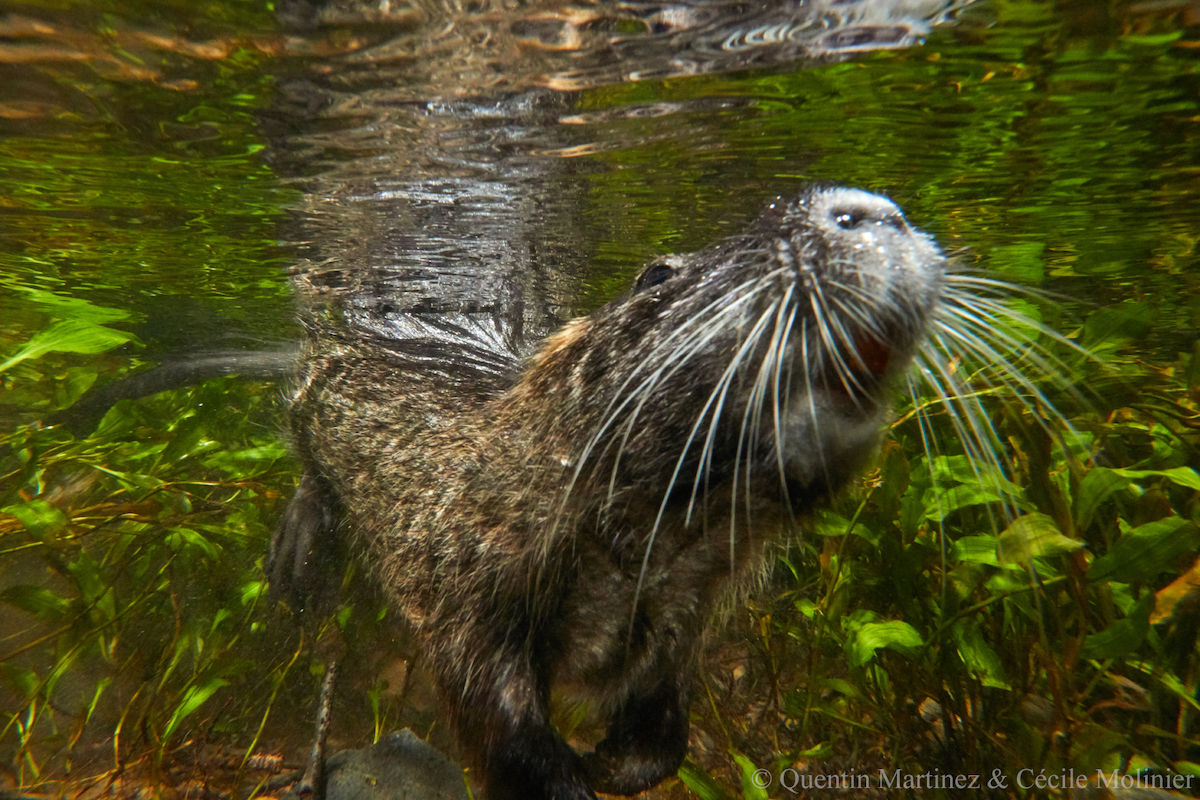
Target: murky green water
[153,158]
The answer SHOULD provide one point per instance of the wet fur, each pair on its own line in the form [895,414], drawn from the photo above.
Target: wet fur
[574,517]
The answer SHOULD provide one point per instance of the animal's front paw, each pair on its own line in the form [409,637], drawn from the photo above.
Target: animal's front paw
[306,550]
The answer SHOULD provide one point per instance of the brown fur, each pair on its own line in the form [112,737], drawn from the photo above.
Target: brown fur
[574,519]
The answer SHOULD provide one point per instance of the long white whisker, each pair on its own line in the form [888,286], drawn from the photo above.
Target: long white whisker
[623,398]
[752,416]
[715,403]
[974,429]
[719,393]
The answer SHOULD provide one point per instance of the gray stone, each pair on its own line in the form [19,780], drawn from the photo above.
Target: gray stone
[399,766]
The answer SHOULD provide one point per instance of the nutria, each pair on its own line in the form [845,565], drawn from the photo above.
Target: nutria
[574,516]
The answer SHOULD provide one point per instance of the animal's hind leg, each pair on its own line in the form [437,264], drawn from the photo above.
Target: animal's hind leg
[501,713]
[647,739]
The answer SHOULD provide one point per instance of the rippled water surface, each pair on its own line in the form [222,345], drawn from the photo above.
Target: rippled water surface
[163,166]
[151,153]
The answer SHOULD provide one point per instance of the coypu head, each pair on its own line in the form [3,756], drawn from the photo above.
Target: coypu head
[765,359]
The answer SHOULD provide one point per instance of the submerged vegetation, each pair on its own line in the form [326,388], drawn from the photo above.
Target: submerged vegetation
[920,630]
[904,632]
[133,558]
[945,617]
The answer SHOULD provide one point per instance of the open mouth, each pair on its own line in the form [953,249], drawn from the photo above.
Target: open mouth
[873,356]
[862,370]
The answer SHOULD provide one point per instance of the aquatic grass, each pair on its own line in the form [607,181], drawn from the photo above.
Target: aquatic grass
[1060,639]
[137,614]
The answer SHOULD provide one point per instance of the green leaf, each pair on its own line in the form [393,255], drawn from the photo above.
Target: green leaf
[807,607]
[65,665]
[978,655]
[976,549]
[70,307]
[896,635]
[23,679]
[195,697]
[265,452]
[78,381]
[187,438]
[133,480]
[830,523]
[1183,476]
[42,520]
[941,503]
[94,586]
[1123,636]
[751,775]
[1033,535]
[185,538]
[1128,321]
[253,591]
[1173,684]
[700,782]
[1096,487]
[69,336]
[841,686]
[101,686]
[1145,551]
[1094,744]
[1152,39]
[40,602]
[818,750]
[794,702]
[118,421]
[961,469]
[221,615]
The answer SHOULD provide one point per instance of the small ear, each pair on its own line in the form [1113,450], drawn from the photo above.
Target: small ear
[653,275]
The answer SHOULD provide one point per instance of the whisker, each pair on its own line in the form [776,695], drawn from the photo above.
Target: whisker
[717,396]
[752,416]
[744,296]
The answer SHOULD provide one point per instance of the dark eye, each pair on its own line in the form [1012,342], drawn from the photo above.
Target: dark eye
[653,275]
[850,218]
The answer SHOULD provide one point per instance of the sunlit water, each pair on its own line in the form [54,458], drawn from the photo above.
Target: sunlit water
[149,154]
[162,166]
